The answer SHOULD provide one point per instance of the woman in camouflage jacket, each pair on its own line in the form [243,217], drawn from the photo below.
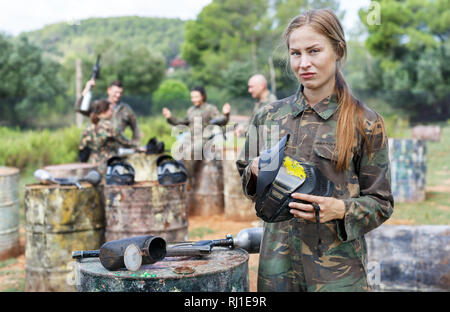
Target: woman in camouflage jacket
[101,138]
[333,131]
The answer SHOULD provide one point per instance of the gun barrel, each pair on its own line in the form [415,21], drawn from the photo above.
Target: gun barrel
[81,254]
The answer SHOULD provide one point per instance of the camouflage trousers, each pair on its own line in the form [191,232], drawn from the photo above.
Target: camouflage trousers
[289,260]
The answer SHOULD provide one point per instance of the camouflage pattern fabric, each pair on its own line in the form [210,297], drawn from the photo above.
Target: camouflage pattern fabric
[123,117]
[267,99]
[198,119]
[103,141]
[288,257]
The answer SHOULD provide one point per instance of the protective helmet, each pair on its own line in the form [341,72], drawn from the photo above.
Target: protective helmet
[154,146]
[279,176]
[119,172]
[170,171]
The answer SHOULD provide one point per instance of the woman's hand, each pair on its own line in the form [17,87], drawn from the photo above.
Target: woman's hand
[166,112]
[254,166]
[226,109]
[330,208]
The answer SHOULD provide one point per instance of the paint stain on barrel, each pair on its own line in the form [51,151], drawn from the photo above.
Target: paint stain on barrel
[223,270]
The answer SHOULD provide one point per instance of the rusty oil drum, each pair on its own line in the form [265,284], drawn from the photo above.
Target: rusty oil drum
[9,213]
[223,270]
[145,208]
[205,194]
[144,166]
[237,207]
[75,170]
[59,220]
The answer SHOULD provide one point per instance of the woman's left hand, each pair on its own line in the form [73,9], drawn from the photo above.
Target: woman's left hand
[330,208]
[226,108]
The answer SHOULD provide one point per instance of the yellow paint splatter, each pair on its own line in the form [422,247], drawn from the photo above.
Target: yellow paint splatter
[294,168]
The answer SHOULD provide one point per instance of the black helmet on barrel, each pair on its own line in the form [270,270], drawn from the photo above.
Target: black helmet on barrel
[119,171]
[170,171]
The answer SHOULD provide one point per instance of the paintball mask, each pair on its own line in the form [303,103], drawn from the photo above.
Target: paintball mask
[279,176]
[119,172]
[154,147]
[170,171]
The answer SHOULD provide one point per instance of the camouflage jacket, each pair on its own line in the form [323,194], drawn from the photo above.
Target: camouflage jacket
[204,114]
[364,186]
[123,117]
[103,141]
[289,260]
[269,98]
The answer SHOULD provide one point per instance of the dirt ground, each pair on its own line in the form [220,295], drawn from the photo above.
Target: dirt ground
[12,271]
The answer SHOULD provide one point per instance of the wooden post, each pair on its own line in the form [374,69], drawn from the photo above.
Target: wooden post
[78,90]
[272,76]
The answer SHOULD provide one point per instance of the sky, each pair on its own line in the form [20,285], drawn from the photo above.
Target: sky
[17,16]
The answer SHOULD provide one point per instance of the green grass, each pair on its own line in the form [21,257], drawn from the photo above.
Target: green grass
[199,232]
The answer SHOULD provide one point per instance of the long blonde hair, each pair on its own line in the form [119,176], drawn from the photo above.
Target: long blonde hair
[325,22]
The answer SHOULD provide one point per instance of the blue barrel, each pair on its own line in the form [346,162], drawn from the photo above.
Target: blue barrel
[9,213]
[408,169]
[409,258]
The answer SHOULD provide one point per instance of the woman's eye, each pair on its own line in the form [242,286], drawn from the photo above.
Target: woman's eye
[295,53]
[314,51]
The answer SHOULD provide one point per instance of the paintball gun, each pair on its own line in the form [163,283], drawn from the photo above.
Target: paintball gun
[93,177]
[86,103]
[248,239]
[131,253]
[128,253]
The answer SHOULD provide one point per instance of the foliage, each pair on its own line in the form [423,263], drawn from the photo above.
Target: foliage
[413,55]
[172,94]
[31,85]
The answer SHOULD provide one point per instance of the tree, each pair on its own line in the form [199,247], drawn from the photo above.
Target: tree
[31,86]
[172,94]
[412,41]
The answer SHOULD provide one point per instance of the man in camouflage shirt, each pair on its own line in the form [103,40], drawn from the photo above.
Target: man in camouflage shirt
[257,87]
[123,114]
[288,258]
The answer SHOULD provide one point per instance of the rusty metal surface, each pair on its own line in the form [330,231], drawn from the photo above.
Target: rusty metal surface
[410,258]
[223,270]
[205,193]
[58,220]
[237,207]
[144,166]
[76,170]
[146,208]
[9,213]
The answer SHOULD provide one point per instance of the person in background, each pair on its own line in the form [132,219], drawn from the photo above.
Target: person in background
[101,138]
[343,138]
[257,87]
[123,115]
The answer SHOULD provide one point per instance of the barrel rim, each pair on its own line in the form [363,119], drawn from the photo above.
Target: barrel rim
[137,276]
[8,171]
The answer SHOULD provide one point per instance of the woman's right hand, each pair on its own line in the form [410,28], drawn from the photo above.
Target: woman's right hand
[89,85]
[166,112]
[254,166]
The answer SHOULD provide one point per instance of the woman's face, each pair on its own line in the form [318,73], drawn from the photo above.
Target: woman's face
[107,114]
[196,98]
[312,58]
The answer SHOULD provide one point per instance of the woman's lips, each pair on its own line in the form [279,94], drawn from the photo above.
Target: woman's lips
[307,75]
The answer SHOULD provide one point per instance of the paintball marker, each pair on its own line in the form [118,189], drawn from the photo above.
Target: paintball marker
[93,177]
[128,253]
[248,239]
[86,103]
